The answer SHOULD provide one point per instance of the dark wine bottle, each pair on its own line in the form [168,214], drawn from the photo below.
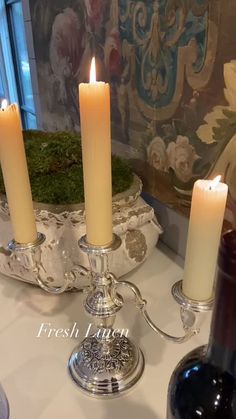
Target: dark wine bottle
[203,384]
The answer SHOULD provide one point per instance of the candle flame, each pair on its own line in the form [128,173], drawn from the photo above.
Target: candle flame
[4,104]
[93,71]
[215,182]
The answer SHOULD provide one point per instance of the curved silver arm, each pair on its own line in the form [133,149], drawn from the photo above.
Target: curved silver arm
[187,320]
[70,278]
[29,256]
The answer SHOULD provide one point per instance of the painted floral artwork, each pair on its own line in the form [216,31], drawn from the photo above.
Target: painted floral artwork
[172,69]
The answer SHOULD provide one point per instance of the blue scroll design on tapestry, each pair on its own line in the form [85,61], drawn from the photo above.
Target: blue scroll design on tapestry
[159,29]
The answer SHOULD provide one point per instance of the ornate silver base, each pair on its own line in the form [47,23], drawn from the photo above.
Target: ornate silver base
[187,303]
[106,367]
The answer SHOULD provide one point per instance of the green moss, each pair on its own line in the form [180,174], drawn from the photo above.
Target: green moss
[122,175]
[55,168]
[51,152]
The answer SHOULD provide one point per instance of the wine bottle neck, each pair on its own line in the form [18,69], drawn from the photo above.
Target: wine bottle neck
[222,344]
[223,358]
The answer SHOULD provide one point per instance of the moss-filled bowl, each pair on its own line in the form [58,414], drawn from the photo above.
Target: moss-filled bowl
[55,168]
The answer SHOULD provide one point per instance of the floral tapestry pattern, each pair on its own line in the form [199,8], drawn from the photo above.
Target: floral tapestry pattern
[172,72]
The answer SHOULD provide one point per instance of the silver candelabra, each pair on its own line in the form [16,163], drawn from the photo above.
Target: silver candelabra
[103,364]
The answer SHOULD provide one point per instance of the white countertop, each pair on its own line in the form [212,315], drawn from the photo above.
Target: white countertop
[33,371]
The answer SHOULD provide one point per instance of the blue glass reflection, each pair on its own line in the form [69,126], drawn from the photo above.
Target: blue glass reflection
[189,372]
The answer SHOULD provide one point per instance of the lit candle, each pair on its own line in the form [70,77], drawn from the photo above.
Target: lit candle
[206,220]
[94,100]
[15,174]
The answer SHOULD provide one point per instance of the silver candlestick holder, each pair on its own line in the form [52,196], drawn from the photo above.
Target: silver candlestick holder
[105,363]
[188,303]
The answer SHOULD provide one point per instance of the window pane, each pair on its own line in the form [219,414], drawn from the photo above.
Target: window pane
[31,122]
[3,79]
[1,86]
[22,55]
